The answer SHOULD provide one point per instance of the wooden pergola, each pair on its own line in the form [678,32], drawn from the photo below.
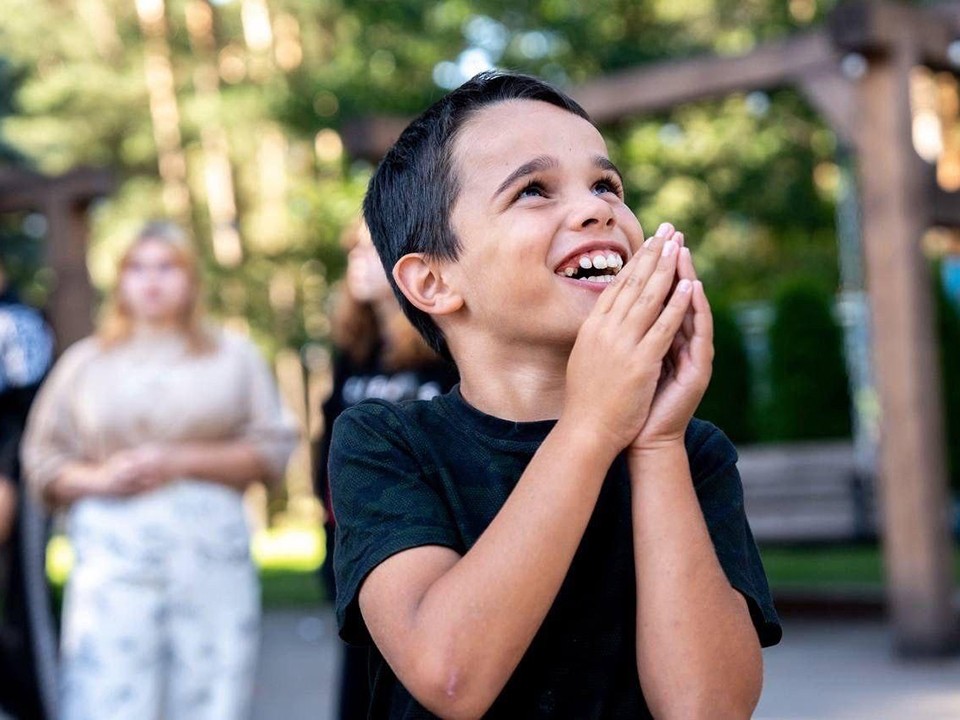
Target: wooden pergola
[900,200]
[870,111]
[63,201]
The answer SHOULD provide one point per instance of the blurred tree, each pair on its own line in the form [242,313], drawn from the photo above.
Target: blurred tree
[810,389]
[9,155]
[257,92]
[19,250]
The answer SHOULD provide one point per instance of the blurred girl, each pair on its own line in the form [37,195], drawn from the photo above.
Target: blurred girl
[148,433]
[377,354]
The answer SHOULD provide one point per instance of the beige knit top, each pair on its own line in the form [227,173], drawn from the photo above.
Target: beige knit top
[152,389]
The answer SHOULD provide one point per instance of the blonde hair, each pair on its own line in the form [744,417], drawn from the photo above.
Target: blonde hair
[116,325]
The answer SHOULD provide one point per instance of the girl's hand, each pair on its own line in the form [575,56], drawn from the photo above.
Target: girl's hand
[135,471]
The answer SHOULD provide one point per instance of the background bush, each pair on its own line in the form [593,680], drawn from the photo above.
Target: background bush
[810,396]
[948,327]
[728,402]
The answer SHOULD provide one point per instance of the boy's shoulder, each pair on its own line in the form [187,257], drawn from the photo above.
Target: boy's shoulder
[398,414]
[384,424]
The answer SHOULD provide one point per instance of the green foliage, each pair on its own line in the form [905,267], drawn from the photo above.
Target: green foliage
[736,174]
[9,81]
[728,402]
[810,390]
[948,328]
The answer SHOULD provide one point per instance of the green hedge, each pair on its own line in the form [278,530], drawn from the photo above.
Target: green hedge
[810,396]
[948,327]
[728,402]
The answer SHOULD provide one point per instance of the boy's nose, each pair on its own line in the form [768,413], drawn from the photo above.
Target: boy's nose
[593,212]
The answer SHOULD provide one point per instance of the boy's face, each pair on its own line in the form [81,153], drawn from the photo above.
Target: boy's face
[539,211]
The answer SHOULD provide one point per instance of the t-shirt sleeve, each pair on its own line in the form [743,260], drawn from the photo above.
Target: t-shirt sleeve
[384,502]
[713,463]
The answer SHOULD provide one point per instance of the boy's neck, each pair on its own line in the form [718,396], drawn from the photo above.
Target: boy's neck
[512,385]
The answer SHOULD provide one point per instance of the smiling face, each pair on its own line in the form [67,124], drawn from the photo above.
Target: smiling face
[155,287]
[541,221]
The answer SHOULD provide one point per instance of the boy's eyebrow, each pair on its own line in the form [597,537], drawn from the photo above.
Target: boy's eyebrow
[538,164]
[546,162]
[605,163]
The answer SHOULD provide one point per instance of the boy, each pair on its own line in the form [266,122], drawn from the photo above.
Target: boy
[555,538]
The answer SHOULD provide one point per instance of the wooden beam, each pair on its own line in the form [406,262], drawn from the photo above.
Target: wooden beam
[663,85]
[894,184]
[654,87]
[23,190]
[369,138]
[833,96]
[874,28]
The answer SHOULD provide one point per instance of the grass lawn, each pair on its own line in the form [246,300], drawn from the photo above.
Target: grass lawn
[829,565]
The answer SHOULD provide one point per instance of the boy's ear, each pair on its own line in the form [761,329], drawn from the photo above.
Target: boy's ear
[422,282]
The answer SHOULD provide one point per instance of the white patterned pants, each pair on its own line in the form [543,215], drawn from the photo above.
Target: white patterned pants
[160,621]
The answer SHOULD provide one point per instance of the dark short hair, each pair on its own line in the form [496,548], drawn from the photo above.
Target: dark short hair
[408,202]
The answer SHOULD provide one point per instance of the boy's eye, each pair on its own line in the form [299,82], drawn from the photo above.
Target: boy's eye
[608,185]
[531,189]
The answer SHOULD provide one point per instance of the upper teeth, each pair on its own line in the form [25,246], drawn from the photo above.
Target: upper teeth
[600,261]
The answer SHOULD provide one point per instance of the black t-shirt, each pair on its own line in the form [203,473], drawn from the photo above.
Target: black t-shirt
[356,382]
[436,473]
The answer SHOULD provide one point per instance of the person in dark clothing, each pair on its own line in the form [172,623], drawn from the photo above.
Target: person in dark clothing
[27,644]
[377,354]
[557,537]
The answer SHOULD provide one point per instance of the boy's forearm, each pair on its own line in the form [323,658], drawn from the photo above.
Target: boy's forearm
[483,613]
[697,651]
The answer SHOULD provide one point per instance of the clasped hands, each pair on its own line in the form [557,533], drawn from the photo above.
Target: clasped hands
[643,357]
[136,470]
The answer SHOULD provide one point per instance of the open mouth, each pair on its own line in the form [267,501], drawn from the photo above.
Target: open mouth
[598,266]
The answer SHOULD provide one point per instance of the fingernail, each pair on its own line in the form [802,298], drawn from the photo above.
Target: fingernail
[684,286]
[669,248]
[646,243]
[685,251]
[664,229]
[679,238]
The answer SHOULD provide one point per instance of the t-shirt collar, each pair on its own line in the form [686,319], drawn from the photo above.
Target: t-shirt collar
[491,426]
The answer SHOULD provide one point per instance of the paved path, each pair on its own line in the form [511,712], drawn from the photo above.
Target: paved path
[825,671]
[821,671]
[298,662]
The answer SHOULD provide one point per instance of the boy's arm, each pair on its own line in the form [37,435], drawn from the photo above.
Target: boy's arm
[697,651]
[454,628]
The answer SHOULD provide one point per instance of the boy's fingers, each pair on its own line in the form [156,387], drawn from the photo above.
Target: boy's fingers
[661,334]
[634,273]
[701,342]
[685,267]
[639,305]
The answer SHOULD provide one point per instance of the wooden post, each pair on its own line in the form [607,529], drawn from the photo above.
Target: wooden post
[71,302]
[64,201]
[896,208]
